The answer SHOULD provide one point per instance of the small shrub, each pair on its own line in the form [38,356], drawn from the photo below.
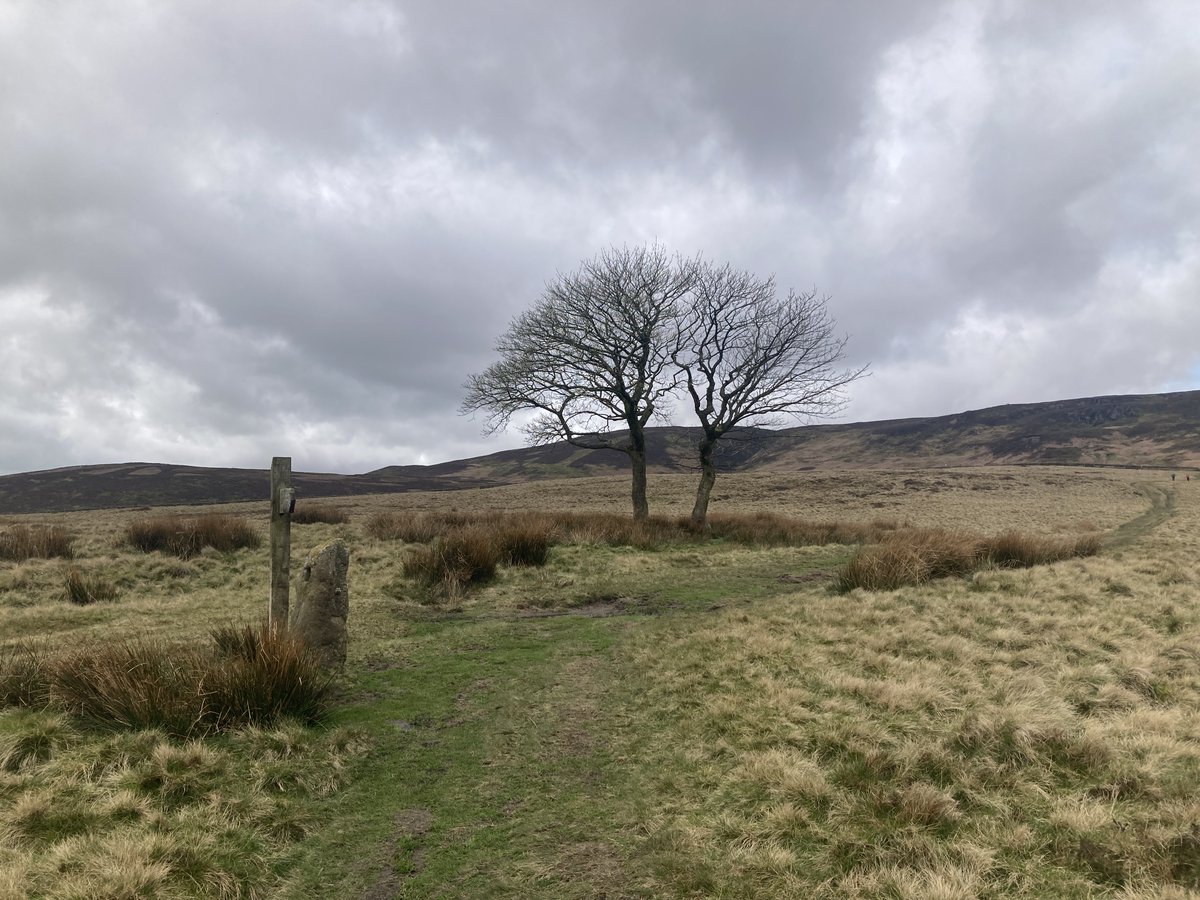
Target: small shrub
[462,557]
[317,514]
[186,537]
[21,542]
[23,680]
[82,588]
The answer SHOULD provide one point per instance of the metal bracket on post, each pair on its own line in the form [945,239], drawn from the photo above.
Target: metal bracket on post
[283,504]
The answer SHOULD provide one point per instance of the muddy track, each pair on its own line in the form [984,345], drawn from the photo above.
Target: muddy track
[1162,507]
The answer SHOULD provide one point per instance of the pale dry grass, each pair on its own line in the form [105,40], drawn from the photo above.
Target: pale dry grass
[1023,734]
[988,723]
[1039,500]
[136,815]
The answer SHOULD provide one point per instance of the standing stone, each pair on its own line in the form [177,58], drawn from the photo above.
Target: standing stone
[323,603]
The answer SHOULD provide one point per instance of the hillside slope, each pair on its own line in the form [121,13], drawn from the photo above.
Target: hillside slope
[160,484]
[1158,430]
[1154,430]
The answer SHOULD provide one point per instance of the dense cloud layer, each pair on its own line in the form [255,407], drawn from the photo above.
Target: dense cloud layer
[235,229]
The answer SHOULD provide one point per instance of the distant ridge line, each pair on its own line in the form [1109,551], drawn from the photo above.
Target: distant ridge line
[1150,431]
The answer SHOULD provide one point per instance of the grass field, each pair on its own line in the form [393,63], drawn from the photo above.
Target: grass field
[701,719]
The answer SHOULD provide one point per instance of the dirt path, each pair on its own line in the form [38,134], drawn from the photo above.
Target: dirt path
[1162,507]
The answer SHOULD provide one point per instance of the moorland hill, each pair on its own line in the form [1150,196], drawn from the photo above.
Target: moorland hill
[1144,430]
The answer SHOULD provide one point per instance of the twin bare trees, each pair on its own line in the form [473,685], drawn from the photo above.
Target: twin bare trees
[608,347]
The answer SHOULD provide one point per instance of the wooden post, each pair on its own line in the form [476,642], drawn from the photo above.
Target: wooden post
[283,500]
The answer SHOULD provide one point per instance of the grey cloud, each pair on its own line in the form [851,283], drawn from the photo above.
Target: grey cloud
[231,224]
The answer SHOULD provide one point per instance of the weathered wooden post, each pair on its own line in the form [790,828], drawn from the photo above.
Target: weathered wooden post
[283,501]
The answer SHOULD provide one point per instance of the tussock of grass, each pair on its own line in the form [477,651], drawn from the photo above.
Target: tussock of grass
[21,542]
[23,680]
[84,588]
[232,640]
[130,684]
[462,557]
[274,675]
[911,557]
[917,556]
[305,514]
[254,678]
[34,744]
[525,544]
[1015,550]
[457,556]
[185,536]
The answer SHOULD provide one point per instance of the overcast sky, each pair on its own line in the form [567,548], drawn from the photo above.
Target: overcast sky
[234,229]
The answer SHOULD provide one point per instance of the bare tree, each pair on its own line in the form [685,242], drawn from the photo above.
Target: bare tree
[592,356]
[748,358]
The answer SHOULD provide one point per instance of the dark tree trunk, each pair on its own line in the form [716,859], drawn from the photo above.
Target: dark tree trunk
[708,477]
[637,462]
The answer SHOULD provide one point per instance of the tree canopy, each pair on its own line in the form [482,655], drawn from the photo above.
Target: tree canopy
[593,354]
[748,357]
[608,347]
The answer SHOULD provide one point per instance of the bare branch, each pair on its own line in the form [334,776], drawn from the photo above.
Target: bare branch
[592,356]
[747,358]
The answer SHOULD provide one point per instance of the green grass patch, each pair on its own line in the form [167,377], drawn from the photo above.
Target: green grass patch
[504,731]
